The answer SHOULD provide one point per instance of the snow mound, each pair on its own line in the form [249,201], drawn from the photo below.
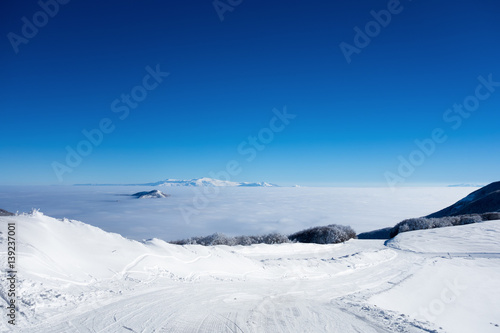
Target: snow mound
[73,252]
[472,239]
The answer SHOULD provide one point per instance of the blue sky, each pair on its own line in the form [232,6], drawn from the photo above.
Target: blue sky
[355,122]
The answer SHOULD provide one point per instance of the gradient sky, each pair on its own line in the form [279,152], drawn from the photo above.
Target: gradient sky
[353,120]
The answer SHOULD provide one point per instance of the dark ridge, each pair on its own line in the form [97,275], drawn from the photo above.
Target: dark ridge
[5,213]
[384,233]
[486,199]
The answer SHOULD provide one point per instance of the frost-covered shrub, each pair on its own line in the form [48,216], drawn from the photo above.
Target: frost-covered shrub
[330,234]
[214,239]
[421,223]
[221,239]
[275,238]
[411,224]
[272,238]
[218,239]
[490,216]
[468,219]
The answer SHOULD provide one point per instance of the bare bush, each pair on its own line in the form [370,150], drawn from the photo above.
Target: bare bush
[221,239]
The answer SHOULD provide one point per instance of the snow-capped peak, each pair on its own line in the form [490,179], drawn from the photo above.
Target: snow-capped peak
[205,181]
[150,194]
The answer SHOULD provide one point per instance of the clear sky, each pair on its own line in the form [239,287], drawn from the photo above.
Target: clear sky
[360,81]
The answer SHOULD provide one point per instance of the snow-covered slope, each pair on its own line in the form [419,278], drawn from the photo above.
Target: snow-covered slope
[484,200]
[474,239]
[77,278]
[457,288]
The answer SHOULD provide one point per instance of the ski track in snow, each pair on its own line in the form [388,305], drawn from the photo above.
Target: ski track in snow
[159,287]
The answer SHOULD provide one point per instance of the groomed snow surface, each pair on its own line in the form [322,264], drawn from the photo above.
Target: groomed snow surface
[74,277]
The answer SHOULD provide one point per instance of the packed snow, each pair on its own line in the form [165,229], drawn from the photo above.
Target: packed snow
[472,239]
[458,287]
[74,277]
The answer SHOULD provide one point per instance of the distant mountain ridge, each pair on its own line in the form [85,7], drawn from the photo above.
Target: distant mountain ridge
[465,185]
[150,194]
[195,182]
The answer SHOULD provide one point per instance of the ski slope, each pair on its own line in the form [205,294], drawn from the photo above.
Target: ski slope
[74,277]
